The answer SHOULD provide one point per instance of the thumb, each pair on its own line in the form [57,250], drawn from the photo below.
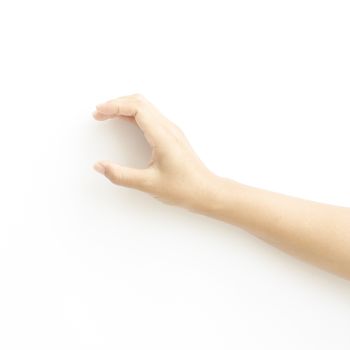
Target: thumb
[124,176]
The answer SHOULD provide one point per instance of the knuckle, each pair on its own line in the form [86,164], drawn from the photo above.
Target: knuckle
[116,107]
[139,101]
[176,131]
[138,97]
[148,182]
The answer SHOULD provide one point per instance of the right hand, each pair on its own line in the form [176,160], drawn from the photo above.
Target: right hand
[175,174]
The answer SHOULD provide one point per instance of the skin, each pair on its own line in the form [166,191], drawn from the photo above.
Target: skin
[318,233]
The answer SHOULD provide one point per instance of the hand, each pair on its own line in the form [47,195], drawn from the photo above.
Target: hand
[175,174]
[316,232]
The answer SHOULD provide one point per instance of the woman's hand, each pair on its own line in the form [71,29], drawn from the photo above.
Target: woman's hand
[175,174]
[316,232]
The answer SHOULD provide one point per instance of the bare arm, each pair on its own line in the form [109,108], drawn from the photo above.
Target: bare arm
[318,233]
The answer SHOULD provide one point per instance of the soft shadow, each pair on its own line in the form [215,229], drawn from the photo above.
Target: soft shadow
[124,143]
[120,141]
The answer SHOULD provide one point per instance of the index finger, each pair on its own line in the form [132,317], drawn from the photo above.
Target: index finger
[147,117]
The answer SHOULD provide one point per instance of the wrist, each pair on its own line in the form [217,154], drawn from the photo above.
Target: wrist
[212,194]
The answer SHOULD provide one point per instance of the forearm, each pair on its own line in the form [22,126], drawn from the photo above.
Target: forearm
[316,232]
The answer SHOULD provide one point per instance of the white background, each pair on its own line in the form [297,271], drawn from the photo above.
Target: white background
[260,88]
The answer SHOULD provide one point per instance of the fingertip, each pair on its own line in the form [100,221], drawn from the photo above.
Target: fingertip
[103,107]
[100,116]
[99,167]
[107,108]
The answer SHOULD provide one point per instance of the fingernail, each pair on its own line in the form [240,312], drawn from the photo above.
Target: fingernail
[99,105]
[99,168]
